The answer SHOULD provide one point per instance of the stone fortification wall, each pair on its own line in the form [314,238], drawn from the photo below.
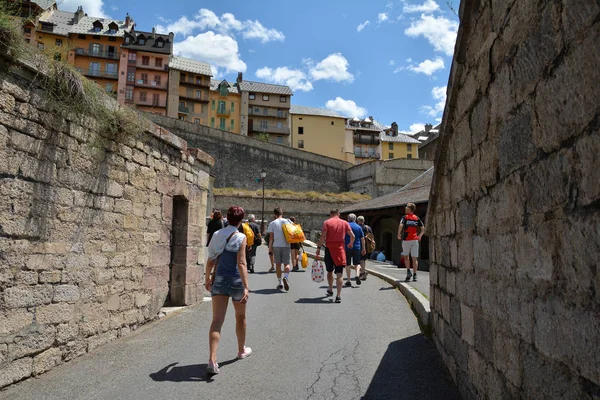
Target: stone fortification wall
[514,214]
[309,213]
[87,222]
[377,178]
[240,159]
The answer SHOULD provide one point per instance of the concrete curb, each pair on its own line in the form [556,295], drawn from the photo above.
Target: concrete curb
[413,296]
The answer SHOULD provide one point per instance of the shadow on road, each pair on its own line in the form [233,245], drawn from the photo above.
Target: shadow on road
[186,373]
[315,300]
[411,368]
[267,291]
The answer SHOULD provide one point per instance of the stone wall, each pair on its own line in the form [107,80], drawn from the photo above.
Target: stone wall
[87,222]
[377,178]
[309,213]
[514,214]
[239,160]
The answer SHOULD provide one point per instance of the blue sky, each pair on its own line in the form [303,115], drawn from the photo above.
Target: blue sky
[386,58]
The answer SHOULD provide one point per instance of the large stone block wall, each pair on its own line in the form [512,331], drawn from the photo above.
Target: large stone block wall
[86,222]
[309,213]
[239,160]
[514,215]
[377,178]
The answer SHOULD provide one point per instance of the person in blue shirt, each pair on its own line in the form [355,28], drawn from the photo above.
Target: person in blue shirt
[381,255]
[354,250]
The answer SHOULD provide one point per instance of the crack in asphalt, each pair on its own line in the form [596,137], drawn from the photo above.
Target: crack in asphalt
[336,371]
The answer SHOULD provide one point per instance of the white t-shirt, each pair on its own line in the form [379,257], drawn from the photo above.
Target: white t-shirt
[275,228]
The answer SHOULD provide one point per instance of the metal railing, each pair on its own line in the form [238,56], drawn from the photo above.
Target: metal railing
[183,109]
[272,129]
[152,103]
[269,113]
[223,112]
[101,73]
[365,154]
[113,55]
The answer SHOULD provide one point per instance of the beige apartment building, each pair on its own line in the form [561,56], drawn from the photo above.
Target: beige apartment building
[395,144]
[265,110]
[321,131]
[366,139]
[189,87]
[225,106]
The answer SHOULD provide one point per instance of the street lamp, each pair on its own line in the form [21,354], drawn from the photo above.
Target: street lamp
[263,176]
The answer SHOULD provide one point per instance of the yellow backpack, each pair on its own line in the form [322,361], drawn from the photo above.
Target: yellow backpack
[249,234]
[293,233]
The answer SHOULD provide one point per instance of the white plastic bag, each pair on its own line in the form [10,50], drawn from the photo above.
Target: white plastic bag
[317,271]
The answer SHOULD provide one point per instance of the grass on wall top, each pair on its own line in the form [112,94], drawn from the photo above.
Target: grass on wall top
[346,197]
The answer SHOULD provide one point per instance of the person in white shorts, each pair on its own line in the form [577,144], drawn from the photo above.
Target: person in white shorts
[280,249]
[410,231]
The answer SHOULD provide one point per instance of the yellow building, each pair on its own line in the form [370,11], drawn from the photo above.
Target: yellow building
[52,33]
[189,87]
[396,144]
[225,106]
[320,131]
[366,139]
[31,11]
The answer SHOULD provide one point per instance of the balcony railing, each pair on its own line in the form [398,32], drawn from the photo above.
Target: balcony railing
[272,129]
[150,84]
[269,113]
[223,112]
[100,73]
[365,154]
[152,103]
[366,139]
[194,82]
[113,55]
[193,97]
[184,110]
[153,67]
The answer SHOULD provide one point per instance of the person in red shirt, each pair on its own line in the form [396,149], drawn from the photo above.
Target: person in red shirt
[410,231]
[334,236]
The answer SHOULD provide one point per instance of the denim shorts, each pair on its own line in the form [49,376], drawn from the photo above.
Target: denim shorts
[231,286]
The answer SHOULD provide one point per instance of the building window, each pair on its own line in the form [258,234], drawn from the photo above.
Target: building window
[409,156]
[145,60]
[332,123]
[143,96]
[232,107]
[222,106]
[223,90]
[182,77]
[198,80]
[390,146]
[95,48]
[252,96]
[112,39]
[212,105]
[59,42]
[231,125]
[27,30]
[212,122]
[182,104]
[157,79]
[300,130]
[160,44]
[57,57]
[155,99]
[300,144]
[265,97]
[265,111]
[132,58]
[282,99]
[128,94]
[145,79]
[198,94]
[409,147]
[279,140]
[279,125]
[130,75]
[256,110]
[142,41]
[109,87]
[80,36]
[112,69]
[391,155]
[96,37]
[40,46]
[158,62]
[279,113]
[126,40]
[112,31]
[264,125]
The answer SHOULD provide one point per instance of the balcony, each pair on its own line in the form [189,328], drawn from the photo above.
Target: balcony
[269,113]
[193,82]
[112,55]
[272,129]
[366,139]
[152,103]
[151,67]
[149,84]
[223,112]
[100,73]
[366,154]
[183,109]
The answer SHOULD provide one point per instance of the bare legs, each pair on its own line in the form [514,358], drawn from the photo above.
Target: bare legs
[415,265]
[219,304]
[240,324]
[295,255]
[338,281]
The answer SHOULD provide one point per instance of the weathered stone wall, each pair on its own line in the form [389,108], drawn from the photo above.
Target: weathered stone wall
[309,213]
[85,229]
[240,159]
[377,178]
[515,212]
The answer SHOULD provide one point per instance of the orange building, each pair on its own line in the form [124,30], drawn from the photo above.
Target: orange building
[144,70]
[95,48]
[31,11]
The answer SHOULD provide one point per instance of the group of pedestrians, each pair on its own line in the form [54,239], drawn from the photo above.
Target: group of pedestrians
[231,258]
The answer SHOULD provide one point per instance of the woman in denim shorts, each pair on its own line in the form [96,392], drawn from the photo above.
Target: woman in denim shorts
[227,250]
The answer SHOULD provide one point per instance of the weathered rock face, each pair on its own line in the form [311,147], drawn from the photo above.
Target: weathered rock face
[87,224]
[514,216]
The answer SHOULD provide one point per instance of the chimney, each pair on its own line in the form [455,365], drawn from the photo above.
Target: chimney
[127,20]
[240,77]
[153,32]
[371,117]
[428,127]
[395,128]
[171,36]
[78,14]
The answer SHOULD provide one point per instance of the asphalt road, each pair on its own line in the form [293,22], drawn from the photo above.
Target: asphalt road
[305,347]
[422,284]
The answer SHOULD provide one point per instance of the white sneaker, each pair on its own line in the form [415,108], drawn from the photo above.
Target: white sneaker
[246,353]
[212,368]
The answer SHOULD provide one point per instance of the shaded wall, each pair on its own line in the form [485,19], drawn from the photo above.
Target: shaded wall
[515,205]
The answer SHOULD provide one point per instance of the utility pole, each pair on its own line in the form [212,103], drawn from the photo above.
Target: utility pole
[263,175]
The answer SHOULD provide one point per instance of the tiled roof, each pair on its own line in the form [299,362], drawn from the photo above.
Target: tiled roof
[416,192]
[214,85]
[86,26]
[380,125]
[150,44]
[193,66]
[62,21]
[400,138]
[44,4]
[259,87]
[321,112]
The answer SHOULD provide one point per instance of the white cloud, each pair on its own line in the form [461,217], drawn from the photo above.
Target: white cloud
[348,108]
[428,6]
[440,32]
[294,78]
[439,94]
[334,67]
[219,50]
[409,59]
[93,8]
[362,26]
[392,62]
[227,24]
[382,17]
[416,127]
[251,51]
[427,67]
